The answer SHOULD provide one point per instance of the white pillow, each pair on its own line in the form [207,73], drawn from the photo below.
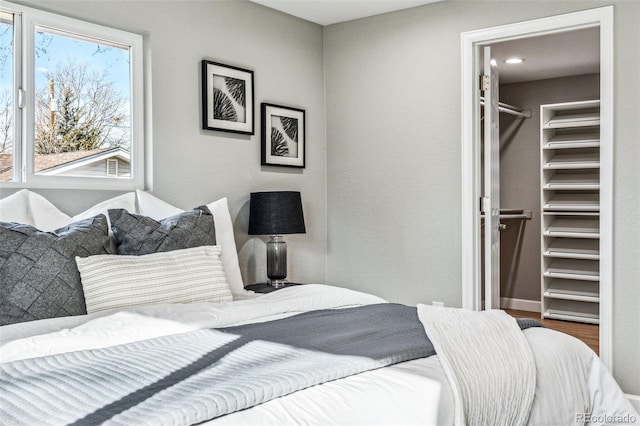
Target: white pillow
[33,209]
[180,276]
[155,208]
[15,208]
[45,215]
[125,201]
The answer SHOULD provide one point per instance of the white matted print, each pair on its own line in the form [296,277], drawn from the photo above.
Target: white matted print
[227,98]
[283,136]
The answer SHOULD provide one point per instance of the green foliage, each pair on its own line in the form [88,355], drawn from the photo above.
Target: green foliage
[71,131]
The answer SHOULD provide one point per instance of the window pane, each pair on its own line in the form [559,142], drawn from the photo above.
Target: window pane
[6,96]
[82,105]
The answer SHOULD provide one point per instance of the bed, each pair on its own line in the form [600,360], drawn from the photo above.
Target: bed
[138,357]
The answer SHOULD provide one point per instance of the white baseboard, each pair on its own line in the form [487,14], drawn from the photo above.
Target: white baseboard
[520,304]
[635,401]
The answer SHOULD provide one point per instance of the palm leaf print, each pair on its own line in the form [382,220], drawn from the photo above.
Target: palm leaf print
[290,126]
[236,89]
[222,107]
[279,146]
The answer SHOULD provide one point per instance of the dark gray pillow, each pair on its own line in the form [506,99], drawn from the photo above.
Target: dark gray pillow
[138,235]
[39,277]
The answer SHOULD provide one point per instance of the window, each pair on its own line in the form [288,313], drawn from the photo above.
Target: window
[71,104]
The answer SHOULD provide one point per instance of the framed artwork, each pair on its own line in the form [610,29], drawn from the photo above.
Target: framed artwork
[227,98]
[283,136]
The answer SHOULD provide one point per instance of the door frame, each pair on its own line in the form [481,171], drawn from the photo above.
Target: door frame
[471,43]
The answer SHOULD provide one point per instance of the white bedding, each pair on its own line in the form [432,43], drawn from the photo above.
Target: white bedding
[414,392]
[487,358]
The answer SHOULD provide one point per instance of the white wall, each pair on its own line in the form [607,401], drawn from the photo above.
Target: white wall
[394,155]
[192,166]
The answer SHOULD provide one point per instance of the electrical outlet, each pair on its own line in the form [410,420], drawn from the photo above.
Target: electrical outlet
[434,303]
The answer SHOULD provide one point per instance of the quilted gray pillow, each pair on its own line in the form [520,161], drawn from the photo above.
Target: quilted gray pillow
[138,235]
[39,277]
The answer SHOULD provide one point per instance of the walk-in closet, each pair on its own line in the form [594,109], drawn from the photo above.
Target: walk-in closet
[549,174]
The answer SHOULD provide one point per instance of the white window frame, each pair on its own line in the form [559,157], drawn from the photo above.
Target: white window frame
[25,22]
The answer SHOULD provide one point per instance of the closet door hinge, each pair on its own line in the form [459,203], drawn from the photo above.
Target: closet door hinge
[484,204]
[485,82]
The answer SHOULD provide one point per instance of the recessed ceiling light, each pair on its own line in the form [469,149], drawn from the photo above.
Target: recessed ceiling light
[514,60]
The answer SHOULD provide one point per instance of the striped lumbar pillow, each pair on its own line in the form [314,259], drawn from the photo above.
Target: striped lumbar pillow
[179,276]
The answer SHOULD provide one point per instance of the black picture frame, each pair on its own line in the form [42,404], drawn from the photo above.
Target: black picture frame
[227,98]
[283,136]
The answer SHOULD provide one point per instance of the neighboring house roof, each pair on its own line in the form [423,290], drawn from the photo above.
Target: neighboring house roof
[52,164]
[71,160]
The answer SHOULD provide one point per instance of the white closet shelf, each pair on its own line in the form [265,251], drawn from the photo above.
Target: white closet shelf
[569,228]
[574,161]
[582,291]
[572,316]
[572,253]
[558,233]
[571,274]
[569,248]
[573,202]
[573,141]
[573,206]
[564,121]
[572,269]
[577,214]
[572,310]
[573,181]
[570,204]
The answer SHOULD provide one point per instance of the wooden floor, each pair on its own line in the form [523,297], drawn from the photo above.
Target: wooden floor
[588,333]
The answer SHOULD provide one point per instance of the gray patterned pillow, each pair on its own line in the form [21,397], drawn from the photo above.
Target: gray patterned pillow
[138,235]
[39,277]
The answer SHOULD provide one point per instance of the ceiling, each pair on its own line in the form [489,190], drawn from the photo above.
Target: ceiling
[327,12]
[548,56]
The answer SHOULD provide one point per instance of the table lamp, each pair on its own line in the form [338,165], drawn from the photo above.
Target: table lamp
[276,213]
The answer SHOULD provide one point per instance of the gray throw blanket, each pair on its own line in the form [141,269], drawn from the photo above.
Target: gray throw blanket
[192,377]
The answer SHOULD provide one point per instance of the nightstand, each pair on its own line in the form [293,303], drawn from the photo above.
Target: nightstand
[266,288]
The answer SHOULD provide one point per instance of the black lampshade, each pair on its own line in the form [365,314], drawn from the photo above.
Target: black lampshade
[276,213]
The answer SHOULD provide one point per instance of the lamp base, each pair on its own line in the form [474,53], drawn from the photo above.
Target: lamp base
[277,261]
[278,283]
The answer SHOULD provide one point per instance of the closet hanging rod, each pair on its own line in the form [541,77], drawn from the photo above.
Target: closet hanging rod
[513,214]
[525,216]
[510,109]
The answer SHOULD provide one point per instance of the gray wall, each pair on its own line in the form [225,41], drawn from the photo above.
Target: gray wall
[520,176]
[192,166]
[385,188]
[394,155]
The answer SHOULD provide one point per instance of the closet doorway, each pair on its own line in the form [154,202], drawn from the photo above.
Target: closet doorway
[524,218]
